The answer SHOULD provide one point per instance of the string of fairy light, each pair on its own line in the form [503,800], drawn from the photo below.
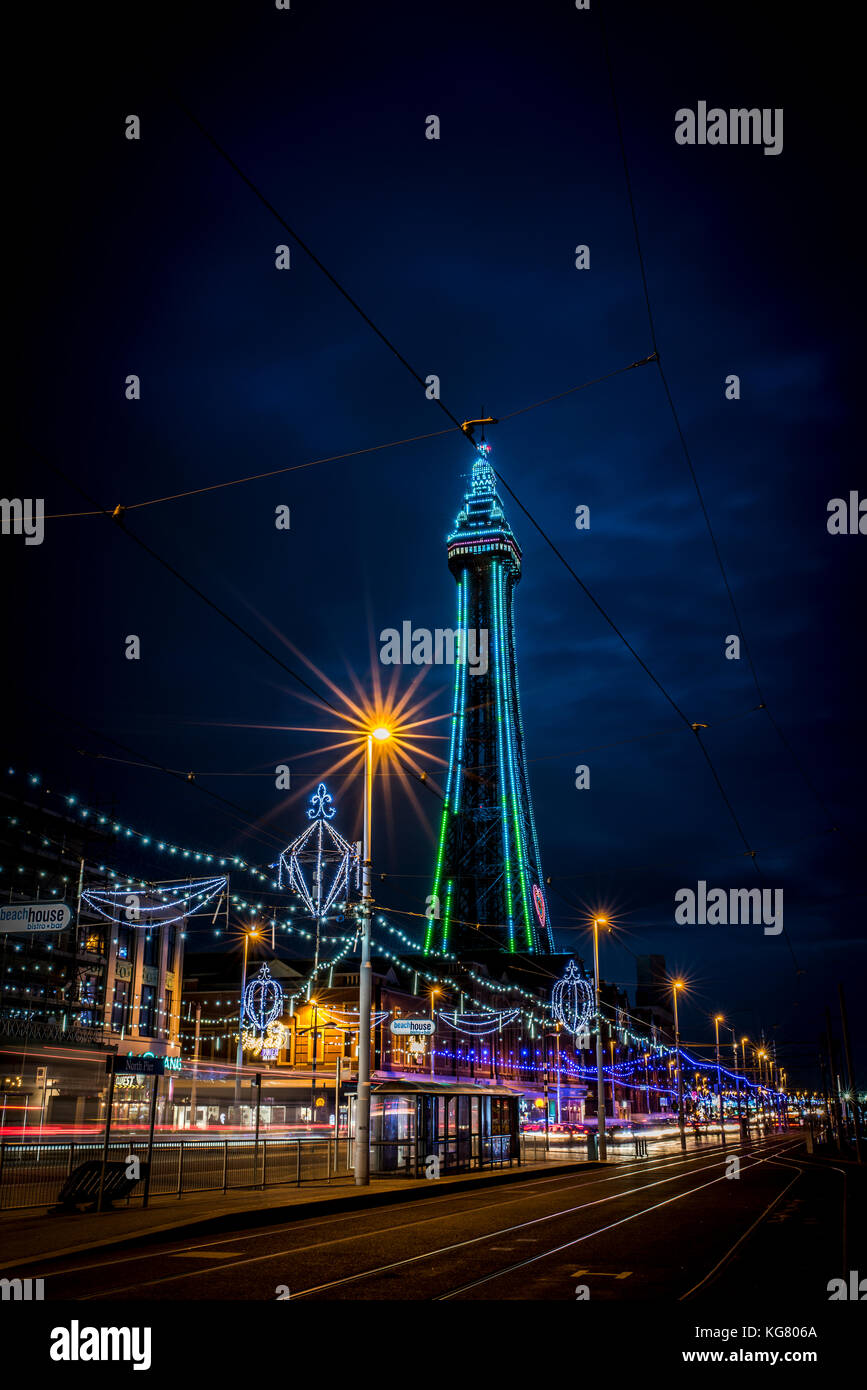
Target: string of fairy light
[189,895]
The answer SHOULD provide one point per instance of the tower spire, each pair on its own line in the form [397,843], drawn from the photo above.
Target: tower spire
[488,870]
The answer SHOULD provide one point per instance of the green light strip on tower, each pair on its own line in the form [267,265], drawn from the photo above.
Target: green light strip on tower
[454,771]
[519,838]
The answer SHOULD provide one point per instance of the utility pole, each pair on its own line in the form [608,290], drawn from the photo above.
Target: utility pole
[829,1039]
[602,1147]
[718,1019]
[851,1074]
[675,986]
[195,1067]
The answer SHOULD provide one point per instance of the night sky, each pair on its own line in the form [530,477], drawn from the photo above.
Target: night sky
[154,258]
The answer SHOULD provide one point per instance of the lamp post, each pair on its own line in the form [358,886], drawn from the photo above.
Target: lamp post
[602,1147]
[315,1003]
[737,1079]
[433,994]
[675,986]
[717,1020]
[362,1100]
[744,1042]
[239,1057]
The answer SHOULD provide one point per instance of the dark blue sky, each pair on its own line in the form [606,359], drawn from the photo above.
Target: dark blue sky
[153,258]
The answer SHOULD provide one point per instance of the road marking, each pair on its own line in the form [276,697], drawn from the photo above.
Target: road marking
[571,1179]
[204,1254]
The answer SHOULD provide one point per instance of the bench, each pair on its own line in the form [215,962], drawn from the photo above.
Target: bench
[80,1192]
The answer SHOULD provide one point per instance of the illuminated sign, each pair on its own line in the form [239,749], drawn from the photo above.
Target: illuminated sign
[23,918]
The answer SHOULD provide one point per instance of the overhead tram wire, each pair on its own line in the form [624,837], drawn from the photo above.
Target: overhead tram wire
[351,453]
[150,762]
[420,380]
[667,390]
[695,727]
[307,250]
[188,583]
[453,418]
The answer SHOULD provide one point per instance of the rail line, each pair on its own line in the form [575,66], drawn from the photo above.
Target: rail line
[553,1184]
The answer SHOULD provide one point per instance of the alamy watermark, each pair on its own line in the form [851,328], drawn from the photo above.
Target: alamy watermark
[741,126]
[444,646]
[23,517]
[732,908]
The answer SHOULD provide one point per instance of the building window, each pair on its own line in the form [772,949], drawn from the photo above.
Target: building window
[151,948]
[168,1018]
[87,998]
[148,1011]
[120,1006]
[124,942]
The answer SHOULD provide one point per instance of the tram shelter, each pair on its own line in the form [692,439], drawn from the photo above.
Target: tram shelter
[459,1124]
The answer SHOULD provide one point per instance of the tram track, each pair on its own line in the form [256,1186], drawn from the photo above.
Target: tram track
[600,1186]
[592,1178]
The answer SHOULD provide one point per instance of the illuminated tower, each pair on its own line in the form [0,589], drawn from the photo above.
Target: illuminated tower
[488,888]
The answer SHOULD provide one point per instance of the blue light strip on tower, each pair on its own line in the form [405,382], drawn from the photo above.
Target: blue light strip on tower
[463,608]
[538,861]
[500,682]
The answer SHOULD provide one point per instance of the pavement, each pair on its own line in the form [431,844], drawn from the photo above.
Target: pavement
[39,1234]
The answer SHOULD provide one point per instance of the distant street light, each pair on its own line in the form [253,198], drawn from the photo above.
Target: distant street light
[675,986]
[717,1020]
[602,1147]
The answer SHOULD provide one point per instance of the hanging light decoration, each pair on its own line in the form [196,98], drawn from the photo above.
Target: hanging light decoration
[572,1001]
[263,1005]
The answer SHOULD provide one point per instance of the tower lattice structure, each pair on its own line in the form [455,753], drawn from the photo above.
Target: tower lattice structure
[488,888]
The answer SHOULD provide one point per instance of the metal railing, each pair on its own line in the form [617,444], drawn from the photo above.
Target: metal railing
[32,1175]
[410,1157]
[536,1148]
[35,1030]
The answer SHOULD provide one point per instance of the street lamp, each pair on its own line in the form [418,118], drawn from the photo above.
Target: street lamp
[239,1057]
[761,1057]
[717,1020]
[362,1099]
[602,1146]
[315,1005]
[675,986]
[744,1042]
[433,994]
[737,1079]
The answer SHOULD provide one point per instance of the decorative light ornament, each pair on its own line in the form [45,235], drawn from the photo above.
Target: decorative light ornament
[478,1025]
[572,1000]
[319,847]
[263,1000]
[148,905]
[320,802]
[267,1045]
[539,904]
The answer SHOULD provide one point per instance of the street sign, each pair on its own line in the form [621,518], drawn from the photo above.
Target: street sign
[425,1026]
[24,918]
[136,1066]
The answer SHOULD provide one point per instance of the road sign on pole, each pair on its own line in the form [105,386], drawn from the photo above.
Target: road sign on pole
[135,1066]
